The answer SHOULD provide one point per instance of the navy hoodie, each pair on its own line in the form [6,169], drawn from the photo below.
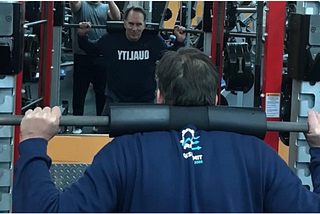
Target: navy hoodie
[131,64]
[187,171]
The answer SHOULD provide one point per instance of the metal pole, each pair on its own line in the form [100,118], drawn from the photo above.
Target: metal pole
[272,65]
[56,61]
[24,108]
[163,14]
[181,15]
[188,22]
[148,9]
[257,70]
[42,54]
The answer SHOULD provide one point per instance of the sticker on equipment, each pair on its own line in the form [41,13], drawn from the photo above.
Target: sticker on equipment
[273,105]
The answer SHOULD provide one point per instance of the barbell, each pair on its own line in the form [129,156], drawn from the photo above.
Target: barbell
[129,119]
[116,26]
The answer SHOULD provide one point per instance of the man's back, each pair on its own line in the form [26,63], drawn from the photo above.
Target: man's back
[206,172]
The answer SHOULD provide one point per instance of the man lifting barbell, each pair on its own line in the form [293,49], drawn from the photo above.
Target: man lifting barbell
[131,56]
[176,171]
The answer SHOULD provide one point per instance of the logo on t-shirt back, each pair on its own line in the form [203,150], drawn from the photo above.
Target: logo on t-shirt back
[190,143]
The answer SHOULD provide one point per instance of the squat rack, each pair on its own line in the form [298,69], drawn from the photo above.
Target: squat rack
[45,65]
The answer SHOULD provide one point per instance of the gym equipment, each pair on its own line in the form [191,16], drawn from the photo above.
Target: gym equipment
[116,26]
[285,111]
[182,14]
[168,14]
[237,67]
[11,38]
[231,12]
[303,47]
[59,13]
[129,119]
[32,11]
[31,58]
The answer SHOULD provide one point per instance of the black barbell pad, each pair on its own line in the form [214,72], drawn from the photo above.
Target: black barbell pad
[242,120]
[130,119]
[181,116]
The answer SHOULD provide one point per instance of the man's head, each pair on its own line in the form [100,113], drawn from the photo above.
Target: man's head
[134,23]
[187,77]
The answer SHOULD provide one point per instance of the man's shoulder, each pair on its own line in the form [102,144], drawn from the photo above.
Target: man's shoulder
[132,142]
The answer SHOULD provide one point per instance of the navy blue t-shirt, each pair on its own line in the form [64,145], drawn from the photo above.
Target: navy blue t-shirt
[131,64]
[186,171]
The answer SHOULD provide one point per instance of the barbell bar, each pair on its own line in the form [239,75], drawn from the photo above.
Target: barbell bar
[15,120]
[112,26]
[243,34]
[129,119]
[32,24]
[246,10]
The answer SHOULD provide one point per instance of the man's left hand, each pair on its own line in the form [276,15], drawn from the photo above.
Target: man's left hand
[180,33]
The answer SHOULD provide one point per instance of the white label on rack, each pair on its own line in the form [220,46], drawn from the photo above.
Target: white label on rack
[273,105]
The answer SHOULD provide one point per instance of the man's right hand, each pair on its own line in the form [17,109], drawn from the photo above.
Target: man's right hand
[40,123]
[313,135]
[84,28]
